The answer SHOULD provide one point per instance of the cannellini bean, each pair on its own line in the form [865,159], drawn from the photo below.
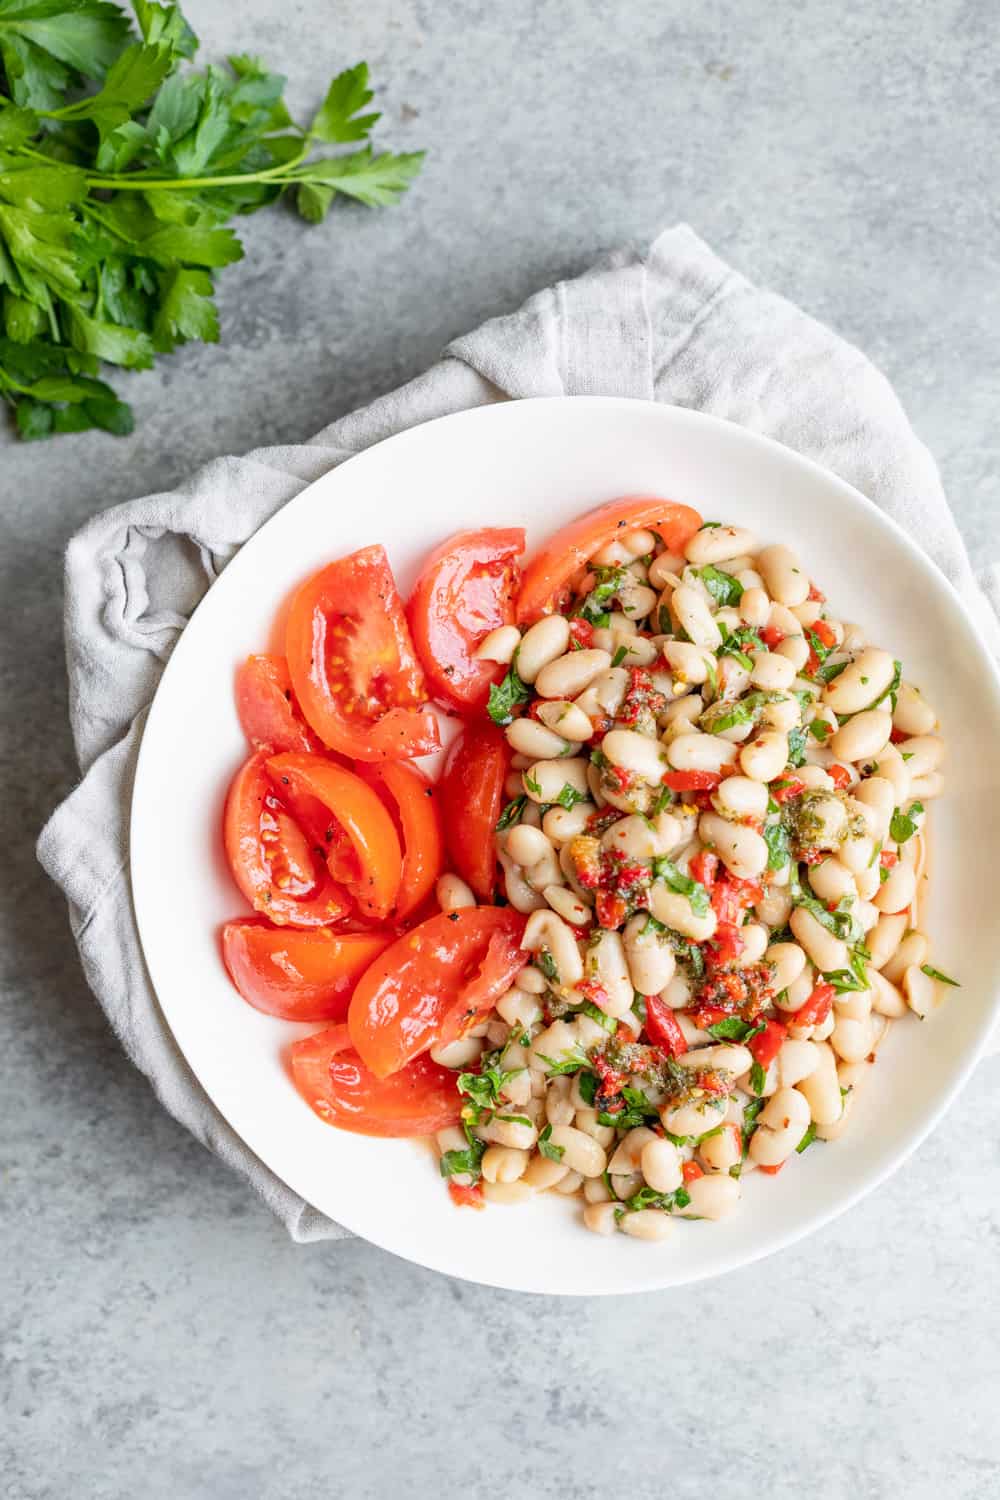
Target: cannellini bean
[506,1193]
[857,852]
[740,797]
[664,568]
[542,1173]
[863,736]
[568,675]
[700,752]
[595,1190]
[674,909]
[503,1132]
[599,1218]
[503,1163]
[895,769]
[605,693]
[452,1138]
[586,1120]
[927,787]
[569,1184]
[452,893]
[783,714]
[722,1151]
[741,849]
[636,600]
[925,752]
[821,1088]
[755,606]
[606,963]
[691,609]
[567,904]
[796,1060]
[717,544]
[854,637]
[772,672]
[795,650]
[754,936]
[660,1162]
[788,960]
[879,797]
[518,1007]
[921,991]
[681,716]
[713,1197]
[650,960]
[733,1058]
[912,951]
[545,932]
[781,1125]
[886,938]
[558,1108]
[458,1054]
[808,612]
[825,951]
[678,994]
[526,845]
[612,555]
[690,663]
[862,683]
[776,905]
[647,1224]
[544,642]
[635,752]
[628,1155]
[785,579]
[765,758]
[851,1039]
[868,882]
[692,1119]
[564,719]
[531,980]
[887,1000]
[832,881]
[897,892]
[560,824]
[499,645]
[519,893]
[544,781]
[581,1153]
[912,714]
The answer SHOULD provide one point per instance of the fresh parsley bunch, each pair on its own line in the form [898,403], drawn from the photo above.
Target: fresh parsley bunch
[114,201]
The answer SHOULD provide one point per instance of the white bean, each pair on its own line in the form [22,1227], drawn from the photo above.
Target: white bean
[755,606]
[661,1165]
[564,719]
[863,736]
[570,674]
[544,642]
[879,797]
[912,951]
[730,1057]
[452,893]
[921,991]
[599,1218]
[755,936]
[925,788]
[586,1120]
[897,892]
[825,951]
[636,600]
[788,960]
[527,845]
[925,753]
[605,693]
[765,758]
[503,1163]
[772,672]
[796,1060]
[544,781]
[713,1197]
[862,683]
[690,663]
[499,645]
[886,998]
[635,752]
[740,797]
[502,1132]
[545,932]
[822,1088]
[628,1155]
[700,752]
[785,579]
[606,963]
[519,893]
[567,905]
[581,1153]
[691,609]
[518,1007]
[722,1151]
[832,881]
[650,960]
[913,714]
[675,910]
[781,1125]
[691,1119]
[741,849]
[542,1173]
[457,1054]
[560,824]
[647,1224]
[506,1193]
[775,906]
[716,544]
[851,1039]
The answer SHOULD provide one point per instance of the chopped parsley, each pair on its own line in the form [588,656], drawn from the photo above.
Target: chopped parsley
[647,1198]
[548,965]
[933,973]
[619,656]
[569,796]
[841,921]
[454,1163]
[903,826]
[829,670]
[723,587]
[512,813]
[545,1146]
[807,1139]
[570,1062]
[776,839]
[854,977]
[733,1029]
[796,747]
[820,730]
[506,695]
[758,1079]
[664,869]
[485,1087]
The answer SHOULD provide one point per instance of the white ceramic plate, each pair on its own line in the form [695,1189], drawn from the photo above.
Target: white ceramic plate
[538,464]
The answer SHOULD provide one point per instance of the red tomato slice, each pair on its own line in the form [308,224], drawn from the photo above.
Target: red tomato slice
[691,1171]
[269,714]
[413,805]
[471,796]
[442,973]
[466,1197]
[274,861]
[334,1082]
[663,1028]
[299,976]
[352,662]
[547,576]
[692,781]
[816,1008]
[765,1046]
[366,856]
[466,589]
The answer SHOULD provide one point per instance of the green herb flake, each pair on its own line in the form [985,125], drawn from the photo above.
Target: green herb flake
[776,839]
[545,1146]
[664,869]
[569,796]
[619,656]
[820,730]
[511,813]
[807,1139]
[903,825]
[758,1078]
[506,695]
[723,587]
[933,973]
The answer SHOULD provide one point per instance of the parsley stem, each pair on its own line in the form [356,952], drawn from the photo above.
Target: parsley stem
[136,182]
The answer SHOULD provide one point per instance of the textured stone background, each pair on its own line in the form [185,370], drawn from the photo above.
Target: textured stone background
[159,1336]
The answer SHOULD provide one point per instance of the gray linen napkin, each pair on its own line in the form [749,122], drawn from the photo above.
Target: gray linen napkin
[675,324]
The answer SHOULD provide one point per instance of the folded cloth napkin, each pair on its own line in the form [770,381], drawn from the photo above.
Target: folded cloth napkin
[675,324]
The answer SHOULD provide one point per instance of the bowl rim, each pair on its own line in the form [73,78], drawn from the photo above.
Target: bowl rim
[491,412]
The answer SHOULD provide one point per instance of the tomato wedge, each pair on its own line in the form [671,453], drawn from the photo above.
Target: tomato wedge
[274,860]
[663,1028]
[298,975]
[268,712]
[691,781]
[413,805]
[335,1083]
[548,574]
[434,982]
[466,589]
[471,795]
[816,1008]
[765,1046]
[361,839]
[352,662]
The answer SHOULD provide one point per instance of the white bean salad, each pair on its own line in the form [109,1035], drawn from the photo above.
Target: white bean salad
[716,828]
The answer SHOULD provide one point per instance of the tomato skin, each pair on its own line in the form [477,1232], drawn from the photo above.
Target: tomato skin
[466,1197]
[705,868]
[765,1046]
[352,663]
[433,983]
[260,830]
[413,804]
[771,636]
[663,1028]
[692,781]
[337,1086]
[772,1171]
[295,974]
[691,1171]
[372,841]
[839,775]
[548,574]
[471,797]
[466,589]
[816,1009]
[267,709]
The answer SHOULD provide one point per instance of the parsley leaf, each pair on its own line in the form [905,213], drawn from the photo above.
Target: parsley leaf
[569,796]
[776,839]
[903,825]
[758,1079]
[807,1139]
[731,1029]
[933,973]
[454,1163]
[511,813]
[723,587]
[664,869]
[545,1146]
[841,921]
[796,747]
[506,695]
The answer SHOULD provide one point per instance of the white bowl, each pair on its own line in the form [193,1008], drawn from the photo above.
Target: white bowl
[538,464]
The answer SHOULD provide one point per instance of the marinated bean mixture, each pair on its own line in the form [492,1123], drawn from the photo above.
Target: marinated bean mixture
[715,826]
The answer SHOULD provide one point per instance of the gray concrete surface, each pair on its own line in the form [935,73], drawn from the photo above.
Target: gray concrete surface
[159,1336]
